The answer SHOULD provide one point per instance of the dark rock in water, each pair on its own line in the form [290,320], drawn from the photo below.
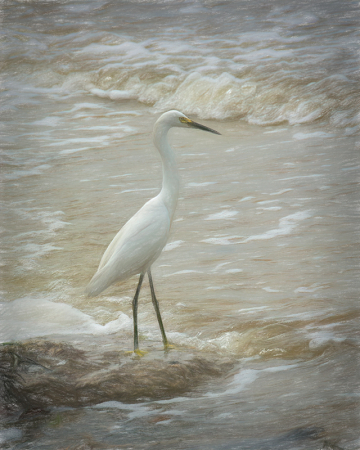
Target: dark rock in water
[39,374]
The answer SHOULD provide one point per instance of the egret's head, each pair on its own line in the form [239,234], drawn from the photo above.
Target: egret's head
[177,119]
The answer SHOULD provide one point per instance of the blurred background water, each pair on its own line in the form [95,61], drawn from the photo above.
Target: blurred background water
[262,263]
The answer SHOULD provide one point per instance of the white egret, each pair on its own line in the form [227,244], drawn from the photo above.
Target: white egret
[140,241]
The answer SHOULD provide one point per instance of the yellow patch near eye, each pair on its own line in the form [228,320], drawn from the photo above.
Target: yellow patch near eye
[185,120]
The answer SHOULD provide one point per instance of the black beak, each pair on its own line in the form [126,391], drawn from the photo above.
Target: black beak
[201,127]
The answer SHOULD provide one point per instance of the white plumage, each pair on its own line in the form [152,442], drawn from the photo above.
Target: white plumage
[136,246]
[140,241]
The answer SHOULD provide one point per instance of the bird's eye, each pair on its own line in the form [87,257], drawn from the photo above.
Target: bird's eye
[185,120]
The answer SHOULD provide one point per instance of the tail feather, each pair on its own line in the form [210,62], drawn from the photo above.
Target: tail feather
[97,284]
[104,278]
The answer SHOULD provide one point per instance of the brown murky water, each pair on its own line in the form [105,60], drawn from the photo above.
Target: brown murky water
[262,262]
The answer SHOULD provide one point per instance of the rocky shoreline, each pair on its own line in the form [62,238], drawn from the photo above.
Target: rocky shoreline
[42,374]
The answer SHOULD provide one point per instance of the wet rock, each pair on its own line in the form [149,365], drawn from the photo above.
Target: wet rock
[40,374]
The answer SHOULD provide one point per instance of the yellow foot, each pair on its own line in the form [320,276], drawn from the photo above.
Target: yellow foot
[140,352]
[136,352]
[169,347]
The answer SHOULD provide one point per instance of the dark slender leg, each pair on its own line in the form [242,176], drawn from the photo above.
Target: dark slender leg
[157,309]
[135,308]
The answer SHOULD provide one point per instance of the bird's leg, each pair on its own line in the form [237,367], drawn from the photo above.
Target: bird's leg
[157,310]
[135,308]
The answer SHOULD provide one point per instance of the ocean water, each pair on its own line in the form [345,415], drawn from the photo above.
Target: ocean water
[262,262]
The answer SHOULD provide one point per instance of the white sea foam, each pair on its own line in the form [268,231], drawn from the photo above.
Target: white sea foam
[265,202]
[315,175]
[230,342]
[98,140]
[243,379]
[270,208]
[245,199]
[135,410]
[282,191]
[227,240]
[241,76]
[218,266]
[322,337]
[286,226]
[252,310]
[316,134]
[114,94]
[129,50]
[269,289]
[172,245]
[205,183]
[240,382]
[227,214]
[137,190]
[181,272]
[234,271]
[70,151]
[51,121]
[49,219]
[37,170]
[31,317]
[308,289]
[247,376]
[35,251]
[81,106]
[140,410]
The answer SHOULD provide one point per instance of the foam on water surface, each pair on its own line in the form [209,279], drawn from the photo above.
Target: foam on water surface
[228,74]
[227,214]
[31,317]
[286,226]
[172,245]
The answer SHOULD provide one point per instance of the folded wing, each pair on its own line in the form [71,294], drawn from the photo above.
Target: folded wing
[136,246]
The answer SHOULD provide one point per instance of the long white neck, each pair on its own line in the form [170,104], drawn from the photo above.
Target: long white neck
[170,186]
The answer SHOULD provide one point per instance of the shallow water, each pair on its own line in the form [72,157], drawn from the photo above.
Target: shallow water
[262,262]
